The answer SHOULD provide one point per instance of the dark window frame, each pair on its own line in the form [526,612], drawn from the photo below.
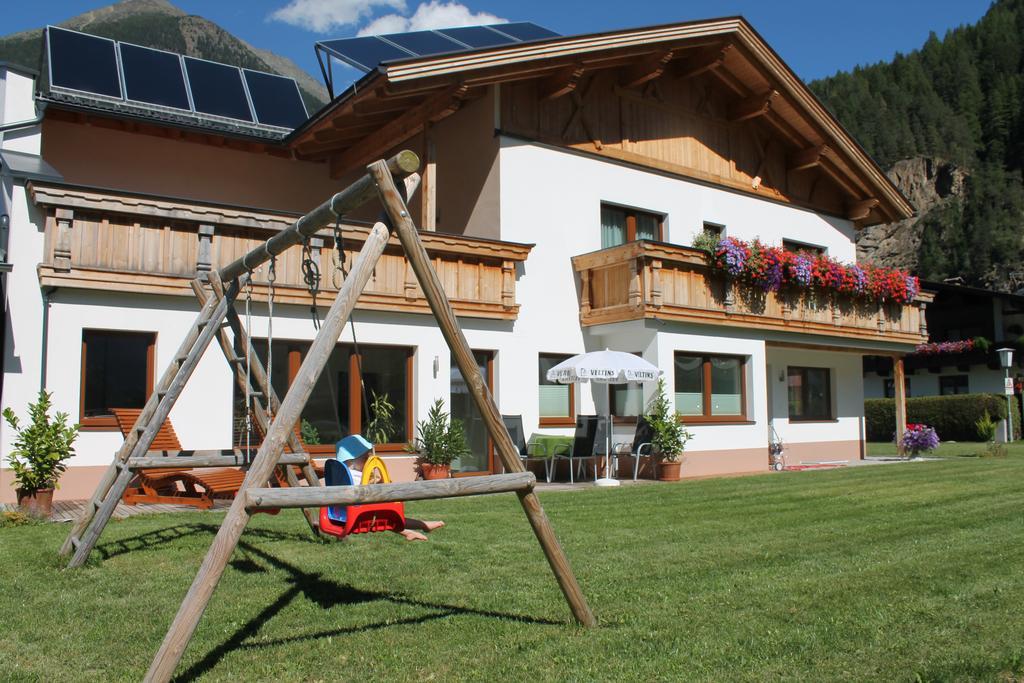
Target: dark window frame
[108,423]
[945,380]
[796,246]
[707,417]
[297,349]
[631,221]
[831,415]
[716,229]
[570,420]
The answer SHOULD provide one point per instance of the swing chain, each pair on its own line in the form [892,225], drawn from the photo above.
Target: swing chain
[271,279]
[248,366]
[311,277]
[338,274]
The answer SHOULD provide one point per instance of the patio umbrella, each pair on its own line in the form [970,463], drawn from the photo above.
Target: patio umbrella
[606,367]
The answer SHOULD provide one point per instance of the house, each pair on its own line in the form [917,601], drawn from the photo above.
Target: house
[966,325]
[564,179]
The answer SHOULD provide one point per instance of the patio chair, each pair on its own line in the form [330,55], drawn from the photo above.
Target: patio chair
[641,443]
[582,448]
[527,451]
[176,485]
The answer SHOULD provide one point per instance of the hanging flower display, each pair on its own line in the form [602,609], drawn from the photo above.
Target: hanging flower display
[772,268]
[936,348]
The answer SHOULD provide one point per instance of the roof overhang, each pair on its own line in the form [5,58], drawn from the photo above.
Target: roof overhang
[395,102]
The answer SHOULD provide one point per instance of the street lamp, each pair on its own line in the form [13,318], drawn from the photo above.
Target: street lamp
[1006,360]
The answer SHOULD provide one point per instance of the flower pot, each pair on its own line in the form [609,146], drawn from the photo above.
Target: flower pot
[435,471]
[669,471]
[39,504]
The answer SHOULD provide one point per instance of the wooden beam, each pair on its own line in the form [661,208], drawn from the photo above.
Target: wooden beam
[646,70]
[428,190]
[560,83]
[859,210]
[322,496]
[399,130]
[196,459]
[752,107]
[705,60]
[429,281]
[900,394]
[806,158]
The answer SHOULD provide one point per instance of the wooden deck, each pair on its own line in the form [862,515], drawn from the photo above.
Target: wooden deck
[69,510]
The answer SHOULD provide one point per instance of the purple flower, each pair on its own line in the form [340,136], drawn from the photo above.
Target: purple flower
[734,254]
[860,279]
[919,439]
[803,269]
[913,288]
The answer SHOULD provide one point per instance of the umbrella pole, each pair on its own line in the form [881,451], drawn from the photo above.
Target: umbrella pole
[607,479]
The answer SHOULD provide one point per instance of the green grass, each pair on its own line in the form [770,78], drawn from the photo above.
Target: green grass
[899,572]
[950,449]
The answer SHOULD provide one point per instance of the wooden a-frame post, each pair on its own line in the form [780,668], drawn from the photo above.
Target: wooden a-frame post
[194,604]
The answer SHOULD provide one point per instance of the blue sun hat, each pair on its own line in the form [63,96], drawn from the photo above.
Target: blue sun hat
[352,447]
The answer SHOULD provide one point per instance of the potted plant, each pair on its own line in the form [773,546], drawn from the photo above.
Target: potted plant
[439,440]
[670,434]
[40,449]
[381,427]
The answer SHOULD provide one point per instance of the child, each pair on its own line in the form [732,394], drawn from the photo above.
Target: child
[413,527]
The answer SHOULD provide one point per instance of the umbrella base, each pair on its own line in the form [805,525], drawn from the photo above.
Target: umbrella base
[605,481]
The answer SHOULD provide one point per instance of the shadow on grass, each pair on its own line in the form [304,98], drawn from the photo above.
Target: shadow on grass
[323,592]
[327,593]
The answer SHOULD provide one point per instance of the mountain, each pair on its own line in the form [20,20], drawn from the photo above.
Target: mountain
[159,24]
[947,120]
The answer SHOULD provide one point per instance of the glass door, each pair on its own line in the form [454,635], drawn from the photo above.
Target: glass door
[463,408]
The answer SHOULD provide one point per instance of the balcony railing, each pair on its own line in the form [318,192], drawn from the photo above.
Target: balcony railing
[101,240]
[644,279]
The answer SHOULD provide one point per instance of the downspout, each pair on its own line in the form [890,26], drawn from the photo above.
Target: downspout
[44,342]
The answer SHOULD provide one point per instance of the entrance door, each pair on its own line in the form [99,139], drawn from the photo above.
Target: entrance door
[480,458]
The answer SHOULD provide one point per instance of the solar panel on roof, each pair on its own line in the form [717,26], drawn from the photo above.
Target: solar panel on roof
[217,89]
[82,62]
[153,76]
[365,53]
[424,42]
[477,36]
[524,30]
[275,99]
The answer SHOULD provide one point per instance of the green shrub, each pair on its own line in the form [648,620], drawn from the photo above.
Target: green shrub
[986,427]
[955,418]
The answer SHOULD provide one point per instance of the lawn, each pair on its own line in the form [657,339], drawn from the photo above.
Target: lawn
[951,449]
[898,572]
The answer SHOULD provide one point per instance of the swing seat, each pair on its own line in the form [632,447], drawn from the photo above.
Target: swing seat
[342,520]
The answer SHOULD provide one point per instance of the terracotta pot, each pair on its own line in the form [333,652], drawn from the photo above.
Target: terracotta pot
[435,471]
[669,471]
[39,504]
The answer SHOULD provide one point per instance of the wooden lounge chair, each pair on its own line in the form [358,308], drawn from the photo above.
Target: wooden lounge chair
[176,485]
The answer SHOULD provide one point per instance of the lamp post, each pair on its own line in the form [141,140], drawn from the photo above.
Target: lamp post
[1006,360]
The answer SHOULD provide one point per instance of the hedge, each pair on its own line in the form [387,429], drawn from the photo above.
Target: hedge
[953,417]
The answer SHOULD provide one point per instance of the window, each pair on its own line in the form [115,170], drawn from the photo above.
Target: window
[117,372]
[953,384]
[557,401]
[810,394]
[710,388]
[335,408]
[890,387]
[619,225]
[627,400]
[798,247]
[714,229]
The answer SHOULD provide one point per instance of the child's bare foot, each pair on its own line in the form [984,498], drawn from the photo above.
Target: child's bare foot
[430,526]
[410,535]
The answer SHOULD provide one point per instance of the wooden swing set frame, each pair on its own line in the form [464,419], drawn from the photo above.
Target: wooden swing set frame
[218,313]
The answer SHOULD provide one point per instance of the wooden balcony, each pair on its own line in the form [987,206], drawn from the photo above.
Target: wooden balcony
[645,279]
[107,241]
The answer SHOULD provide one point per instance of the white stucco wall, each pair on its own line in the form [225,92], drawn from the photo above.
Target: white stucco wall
[980,379]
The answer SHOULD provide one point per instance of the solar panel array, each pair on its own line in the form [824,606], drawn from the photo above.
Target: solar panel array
[97,66]
[367,52]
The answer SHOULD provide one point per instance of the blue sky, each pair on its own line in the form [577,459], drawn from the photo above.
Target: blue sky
[816,38]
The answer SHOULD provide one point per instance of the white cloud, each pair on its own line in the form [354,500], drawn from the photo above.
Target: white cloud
[429,15]
[325,15]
